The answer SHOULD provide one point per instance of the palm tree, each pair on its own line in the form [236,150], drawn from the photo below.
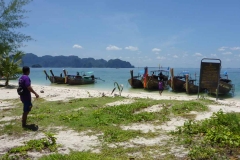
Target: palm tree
[10,65]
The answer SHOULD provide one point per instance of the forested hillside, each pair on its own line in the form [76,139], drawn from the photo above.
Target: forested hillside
[30,59]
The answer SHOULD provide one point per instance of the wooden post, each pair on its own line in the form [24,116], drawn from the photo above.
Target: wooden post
[131,73]
[172,78]
[65,74]
[187,87]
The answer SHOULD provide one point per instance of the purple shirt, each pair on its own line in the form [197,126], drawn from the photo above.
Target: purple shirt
[25,82]
[160,85]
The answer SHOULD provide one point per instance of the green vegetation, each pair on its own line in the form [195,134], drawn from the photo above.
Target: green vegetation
[11,18]
[214,138]
[9,65]
[119,87]
[48,143]
[208,139]
[78,155]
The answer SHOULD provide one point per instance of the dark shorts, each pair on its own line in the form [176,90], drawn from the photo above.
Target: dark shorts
[27,106]
[161,89]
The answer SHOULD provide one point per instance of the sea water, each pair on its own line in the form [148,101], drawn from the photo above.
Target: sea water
[108,76]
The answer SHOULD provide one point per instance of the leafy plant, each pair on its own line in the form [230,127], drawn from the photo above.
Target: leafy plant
[9,65]
[119,87]
[213,138]
[49,142]
[186,107]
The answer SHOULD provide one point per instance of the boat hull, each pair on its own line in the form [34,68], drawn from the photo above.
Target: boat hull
[178,84]
[56,79]
[80,81]
[152,83]
[224,88]
[135,83]
[191,88]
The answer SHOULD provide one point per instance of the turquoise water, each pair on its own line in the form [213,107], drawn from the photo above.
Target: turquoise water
[121,75]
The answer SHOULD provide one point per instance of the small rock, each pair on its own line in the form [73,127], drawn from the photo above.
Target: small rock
[41,91]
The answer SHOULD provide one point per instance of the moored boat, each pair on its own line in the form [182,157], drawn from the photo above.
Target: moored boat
[56,79]
[225,86]
[81,79]
[151,81]
[190,85]
[135,81]
[177,82]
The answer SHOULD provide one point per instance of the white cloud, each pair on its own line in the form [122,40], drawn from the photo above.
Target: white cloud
[235,48]
[156,50]
[227,53]
[77,46]
[131,48]
[222,48]
[161,58]
[175,56]
[213,55]
[113,48]
[198,54]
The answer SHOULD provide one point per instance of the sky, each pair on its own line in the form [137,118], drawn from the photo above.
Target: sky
[168,33]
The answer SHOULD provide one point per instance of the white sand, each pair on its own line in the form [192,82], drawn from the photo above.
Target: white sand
[80,141]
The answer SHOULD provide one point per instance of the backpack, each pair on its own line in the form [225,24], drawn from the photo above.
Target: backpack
[20,90]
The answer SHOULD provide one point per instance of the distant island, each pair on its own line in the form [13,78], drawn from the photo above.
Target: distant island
[34,61]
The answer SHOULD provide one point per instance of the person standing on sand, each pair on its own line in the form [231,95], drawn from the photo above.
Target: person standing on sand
[25,82]
[160,87]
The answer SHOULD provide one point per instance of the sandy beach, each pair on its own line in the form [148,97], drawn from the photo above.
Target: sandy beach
[72,140]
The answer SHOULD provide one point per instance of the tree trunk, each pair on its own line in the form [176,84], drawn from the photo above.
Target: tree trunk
[7,81]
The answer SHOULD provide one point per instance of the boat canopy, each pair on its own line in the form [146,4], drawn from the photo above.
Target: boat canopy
[160,70]
[184,73]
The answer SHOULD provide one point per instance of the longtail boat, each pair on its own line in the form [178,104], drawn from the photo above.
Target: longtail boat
[225,85]
[151,81]
[135,81]
[190,85]
[56,79]
[84,78]
[177,82]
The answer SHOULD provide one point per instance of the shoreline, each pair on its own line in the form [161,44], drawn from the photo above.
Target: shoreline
[82,141]
[55,93]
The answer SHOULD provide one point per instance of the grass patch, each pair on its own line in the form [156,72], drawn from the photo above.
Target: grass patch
[79,155]
[186,107]
[214,138]
[46,144]
[93,114]
[115,134]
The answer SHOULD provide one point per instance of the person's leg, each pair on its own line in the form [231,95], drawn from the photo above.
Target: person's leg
[24,119]
[27,106]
